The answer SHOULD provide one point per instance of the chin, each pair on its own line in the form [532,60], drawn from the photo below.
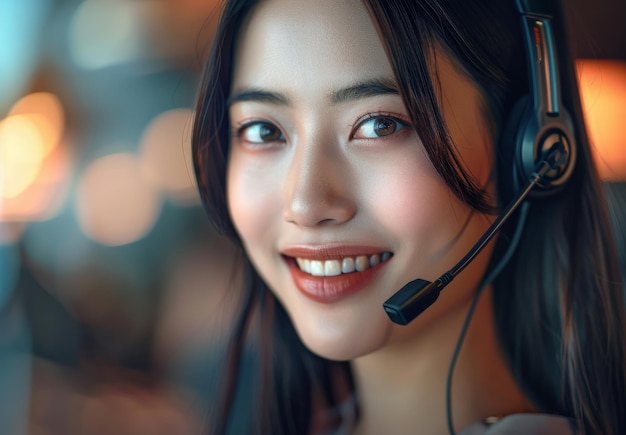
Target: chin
[344,339]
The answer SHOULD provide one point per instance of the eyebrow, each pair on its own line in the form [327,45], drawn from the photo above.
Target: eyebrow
[258,95]
[360,90]
[365,89]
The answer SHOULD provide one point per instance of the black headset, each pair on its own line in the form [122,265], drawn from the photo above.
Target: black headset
[538,120]
[538,125]
[538,142]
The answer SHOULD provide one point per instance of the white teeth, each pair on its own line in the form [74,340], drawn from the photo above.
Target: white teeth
[304,264]
[332,268]
[374,260]
[317,268]
[345,265]
[362,263]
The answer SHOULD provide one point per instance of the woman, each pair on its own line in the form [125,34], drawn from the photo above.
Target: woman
[350,147]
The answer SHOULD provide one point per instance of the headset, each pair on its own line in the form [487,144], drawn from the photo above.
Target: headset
[538,141]
[538,120]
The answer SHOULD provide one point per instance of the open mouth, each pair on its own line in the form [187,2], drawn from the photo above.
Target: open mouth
[328,275]
[339,266]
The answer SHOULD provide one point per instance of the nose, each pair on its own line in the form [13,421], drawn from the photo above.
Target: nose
[317,190]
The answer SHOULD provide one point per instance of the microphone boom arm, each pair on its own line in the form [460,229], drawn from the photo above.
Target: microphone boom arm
[416,296]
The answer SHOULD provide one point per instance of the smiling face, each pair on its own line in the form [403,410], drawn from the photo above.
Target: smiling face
[328,186]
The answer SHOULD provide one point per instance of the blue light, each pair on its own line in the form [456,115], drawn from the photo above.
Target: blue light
[21,27]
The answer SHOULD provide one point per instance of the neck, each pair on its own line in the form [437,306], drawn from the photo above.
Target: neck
[402,388]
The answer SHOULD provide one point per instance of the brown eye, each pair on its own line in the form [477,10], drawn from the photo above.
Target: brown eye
[261,132]
[385,126]
[378,126]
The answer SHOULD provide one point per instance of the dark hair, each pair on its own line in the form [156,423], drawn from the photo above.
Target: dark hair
[558,304]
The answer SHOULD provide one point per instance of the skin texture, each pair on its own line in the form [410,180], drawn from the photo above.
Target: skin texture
[325,181]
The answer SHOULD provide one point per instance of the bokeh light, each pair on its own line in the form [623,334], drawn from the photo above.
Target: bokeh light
[166,155]
[106,33]
[45,110]
[603,93]
[22,151]
[47,195]
[115,206]
[22,24]
[34,168]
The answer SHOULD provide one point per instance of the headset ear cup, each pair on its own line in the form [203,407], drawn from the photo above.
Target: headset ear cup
[521,146]
[556,178]
[509,151]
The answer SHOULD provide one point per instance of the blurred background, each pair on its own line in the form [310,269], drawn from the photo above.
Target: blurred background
[111,278]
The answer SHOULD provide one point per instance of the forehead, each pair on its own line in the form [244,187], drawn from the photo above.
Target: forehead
[292,42]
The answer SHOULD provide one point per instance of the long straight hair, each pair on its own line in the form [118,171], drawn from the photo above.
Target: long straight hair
[559,303]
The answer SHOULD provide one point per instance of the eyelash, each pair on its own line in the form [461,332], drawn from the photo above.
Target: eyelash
[403,122]
[240,130]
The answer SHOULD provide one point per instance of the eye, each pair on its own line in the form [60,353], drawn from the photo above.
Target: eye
[377,126]
[259,132]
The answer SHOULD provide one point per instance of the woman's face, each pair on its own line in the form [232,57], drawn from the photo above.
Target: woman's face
[326,174]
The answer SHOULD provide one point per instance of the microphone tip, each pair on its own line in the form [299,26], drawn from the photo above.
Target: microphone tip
[411,300]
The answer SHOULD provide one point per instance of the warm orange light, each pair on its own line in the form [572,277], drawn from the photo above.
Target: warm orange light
[44,198]
[21,153]
[166,155]
[115,206]
[603,93]
[34,169]
[46,112]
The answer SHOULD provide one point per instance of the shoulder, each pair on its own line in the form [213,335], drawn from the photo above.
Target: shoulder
[538,424]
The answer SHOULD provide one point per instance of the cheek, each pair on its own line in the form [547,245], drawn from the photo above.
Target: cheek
[411,204]
[412,201]
[252,200]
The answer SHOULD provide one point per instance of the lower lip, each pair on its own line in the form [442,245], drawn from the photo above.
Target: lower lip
[328,289]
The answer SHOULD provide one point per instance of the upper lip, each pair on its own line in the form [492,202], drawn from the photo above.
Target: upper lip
[330,252]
